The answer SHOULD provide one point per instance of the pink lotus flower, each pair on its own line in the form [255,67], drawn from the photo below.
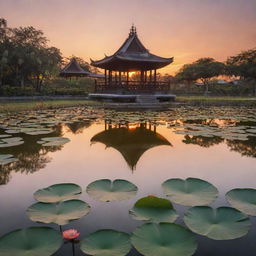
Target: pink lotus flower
[70,234]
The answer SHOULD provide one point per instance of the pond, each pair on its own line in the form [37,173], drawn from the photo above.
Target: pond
[217,145]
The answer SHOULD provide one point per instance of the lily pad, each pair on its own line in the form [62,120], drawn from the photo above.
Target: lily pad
[58,192]
[190,192]
[223,223]
[61,213]
[243,199]
[34,241]
[106,243]
[5,135]
[164,239]
[10,142]
[107,190]
[153,209]
[7,159]
[53,141]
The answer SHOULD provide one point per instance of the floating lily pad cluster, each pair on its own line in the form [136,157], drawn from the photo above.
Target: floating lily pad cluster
[159,235]
[10,142]
[58,204]
[53,141]
[7,159]
[230,133]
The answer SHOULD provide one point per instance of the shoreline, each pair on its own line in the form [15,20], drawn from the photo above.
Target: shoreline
[18,104]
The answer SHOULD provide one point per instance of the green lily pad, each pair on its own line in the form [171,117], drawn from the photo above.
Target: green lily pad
[34,241]
[5,135]
[243,199]
[7,159]
[10,142]
[107,190]
[223,223]
[53,141]
[190,192]
[106,243]
[39,131]
[164,239]
[61,213]
[153,209]
[58,192]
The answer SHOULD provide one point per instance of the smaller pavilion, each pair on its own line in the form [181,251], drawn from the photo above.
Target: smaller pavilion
[132,56]
[73,69]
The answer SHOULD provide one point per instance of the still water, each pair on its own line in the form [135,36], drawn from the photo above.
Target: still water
[217,145]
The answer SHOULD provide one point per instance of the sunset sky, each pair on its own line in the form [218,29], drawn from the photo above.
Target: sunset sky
[185,29]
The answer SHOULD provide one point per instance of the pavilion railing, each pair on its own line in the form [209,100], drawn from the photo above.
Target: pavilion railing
[132,87]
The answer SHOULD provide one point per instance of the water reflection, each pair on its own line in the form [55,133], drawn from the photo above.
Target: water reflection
[201,141]
[245,148]
[78,127]
[31,156]
[132,140]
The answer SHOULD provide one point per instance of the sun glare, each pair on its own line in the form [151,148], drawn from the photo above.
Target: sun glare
[132,73]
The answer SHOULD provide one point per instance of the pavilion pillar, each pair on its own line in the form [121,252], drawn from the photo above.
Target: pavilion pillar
[142,77]
[150,76]
[105,77]
[155,76]
[120,77]
[127,78]
[115,77]
[146,74]
[110,76]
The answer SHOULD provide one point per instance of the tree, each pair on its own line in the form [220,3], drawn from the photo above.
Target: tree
[203,69]
[244,65]
[25,57]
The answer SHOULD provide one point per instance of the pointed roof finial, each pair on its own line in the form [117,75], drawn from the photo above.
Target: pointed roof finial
[133,30]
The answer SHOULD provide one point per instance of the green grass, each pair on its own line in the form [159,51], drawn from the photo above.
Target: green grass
[190,100]
[222,98]
[39,105]
[217,101]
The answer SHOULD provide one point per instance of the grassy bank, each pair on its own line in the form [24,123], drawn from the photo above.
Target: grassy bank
[188,100]
[35,105]
[217,101]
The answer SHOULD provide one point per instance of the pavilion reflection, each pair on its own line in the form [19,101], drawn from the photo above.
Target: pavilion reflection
[132,140]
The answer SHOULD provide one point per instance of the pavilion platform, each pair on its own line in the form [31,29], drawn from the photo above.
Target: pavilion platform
[133,98]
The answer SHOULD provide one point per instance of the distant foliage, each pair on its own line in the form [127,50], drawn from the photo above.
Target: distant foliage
[203,69]
[244,65]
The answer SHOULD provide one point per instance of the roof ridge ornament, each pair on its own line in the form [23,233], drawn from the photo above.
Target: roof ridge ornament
[133,31]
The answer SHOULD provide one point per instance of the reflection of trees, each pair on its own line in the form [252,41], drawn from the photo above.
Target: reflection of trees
[202,141]
[31,155]
[131,140]
[245,148]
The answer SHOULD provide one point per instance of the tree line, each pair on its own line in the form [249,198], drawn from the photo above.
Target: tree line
[241,66]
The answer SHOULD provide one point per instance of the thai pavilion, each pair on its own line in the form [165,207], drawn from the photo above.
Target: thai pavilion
[132,56]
